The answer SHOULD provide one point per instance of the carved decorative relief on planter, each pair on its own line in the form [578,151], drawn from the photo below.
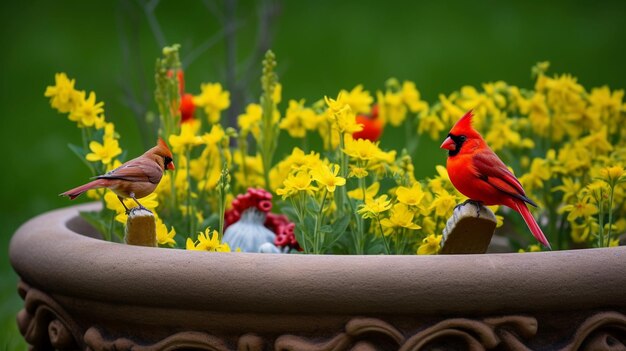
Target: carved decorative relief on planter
[84,293]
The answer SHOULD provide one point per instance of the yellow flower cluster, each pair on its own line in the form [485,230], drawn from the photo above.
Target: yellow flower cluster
[574,136]
[566,143]
[213,99]
[397,100]
[98,134]
[207,241]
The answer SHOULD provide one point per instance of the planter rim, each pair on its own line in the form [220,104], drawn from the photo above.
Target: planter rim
[50,256]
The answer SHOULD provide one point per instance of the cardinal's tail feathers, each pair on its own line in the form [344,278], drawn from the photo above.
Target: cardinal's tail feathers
[74,193]
[532,224]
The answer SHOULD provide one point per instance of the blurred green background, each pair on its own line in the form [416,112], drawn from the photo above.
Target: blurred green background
[322,46]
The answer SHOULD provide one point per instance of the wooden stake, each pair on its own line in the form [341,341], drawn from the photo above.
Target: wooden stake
[140,228]
[469,230]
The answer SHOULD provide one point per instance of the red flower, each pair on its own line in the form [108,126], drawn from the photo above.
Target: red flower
[372,126]
[187,108]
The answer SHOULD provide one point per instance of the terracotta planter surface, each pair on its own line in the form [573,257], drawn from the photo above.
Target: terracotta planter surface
[81,292]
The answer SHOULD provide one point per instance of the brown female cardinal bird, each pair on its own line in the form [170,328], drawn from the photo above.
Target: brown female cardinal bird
[477,172]
[134,179]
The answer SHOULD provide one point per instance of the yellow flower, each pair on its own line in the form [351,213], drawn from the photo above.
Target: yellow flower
[103,152]
[326,176]
[569,188]
[430,123]
[249,122]
[164,237]
[411,97]
[391,108]
[215,136]
[297,119]
[277,94]
[596,143]
[373,207]
[401,216]
[430,245]
[539,115]
[370,192]
[539,173]
[207,241]
[86,112]
[298,160]
[502,134]
[342,115]
[213,99]
[581,209]
[357,172]
[359,100]
[531,248]
[580,232]
[410,196]
[444,203]
[612,175]
[112,202]
[62,95]
[441,181]
[300,181]
[187,137]
[249,171]
[150,202]
[361,149]
[109,131]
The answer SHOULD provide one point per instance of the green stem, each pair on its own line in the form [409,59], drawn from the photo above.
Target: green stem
[608,235]
[382,233]
[300,223]
[343,162]
[359,220]
[173,193]
[243,149]
[601,220]
[189,214]
[318,223]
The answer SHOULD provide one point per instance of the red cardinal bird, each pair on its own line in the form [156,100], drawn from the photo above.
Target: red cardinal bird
[477,172]
[134,179]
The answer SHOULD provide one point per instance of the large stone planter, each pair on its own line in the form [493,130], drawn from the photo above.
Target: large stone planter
[84,293]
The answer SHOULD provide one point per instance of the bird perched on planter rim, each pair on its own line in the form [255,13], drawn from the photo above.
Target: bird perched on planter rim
[478,173]
[134,179]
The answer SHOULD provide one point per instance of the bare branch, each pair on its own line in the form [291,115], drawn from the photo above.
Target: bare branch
[209,43]
[215,11]
[149,9]
[266,12]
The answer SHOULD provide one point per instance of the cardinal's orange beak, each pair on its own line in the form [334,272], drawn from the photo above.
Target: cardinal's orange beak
[448,144]
[170,166]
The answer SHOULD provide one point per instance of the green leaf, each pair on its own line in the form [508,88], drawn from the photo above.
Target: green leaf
[309,224]
[339,227]
[338,231]
[290,212]
[326,229]
[81,154]
[312,206]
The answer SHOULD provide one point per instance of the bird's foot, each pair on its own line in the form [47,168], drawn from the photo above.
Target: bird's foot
[137,208]
[145,209]
[479,205]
